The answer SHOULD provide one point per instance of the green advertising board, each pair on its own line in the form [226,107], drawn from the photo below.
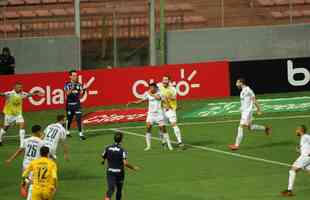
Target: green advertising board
[295,104]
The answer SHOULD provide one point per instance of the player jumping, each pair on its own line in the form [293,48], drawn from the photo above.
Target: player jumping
[155,115]
[169,93]
[31,150]
[54,134]
[302,162]
[248,101]
[13,110]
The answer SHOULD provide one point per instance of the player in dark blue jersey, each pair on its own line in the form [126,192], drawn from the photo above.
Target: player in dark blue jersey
[74,92]
[117,161]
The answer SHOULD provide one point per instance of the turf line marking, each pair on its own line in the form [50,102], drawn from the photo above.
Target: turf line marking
[191,123]
[212,150]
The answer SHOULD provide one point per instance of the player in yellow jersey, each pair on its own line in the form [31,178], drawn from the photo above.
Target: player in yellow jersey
[13,110]
[169,93]
[44,176]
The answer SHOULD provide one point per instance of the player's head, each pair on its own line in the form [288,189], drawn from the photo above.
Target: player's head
[153,87]
[6,51]
[302,129]
[61,119]
[240,83]
[18,87]
[73,75]
[166,80]
[118,137]
[44,151]
[36,130]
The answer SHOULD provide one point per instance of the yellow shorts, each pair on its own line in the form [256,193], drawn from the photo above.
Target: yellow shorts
[42,195]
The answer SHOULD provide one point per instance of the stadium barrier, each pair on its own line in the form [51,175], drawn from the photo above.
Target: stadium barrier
[121,85]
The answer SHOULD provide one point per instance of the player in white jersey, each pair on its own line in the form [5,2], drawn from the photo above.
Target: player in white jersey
[302,162]
[31,150]
[155,115]
[169,93]
[248,101]
[13,110]
[54,134]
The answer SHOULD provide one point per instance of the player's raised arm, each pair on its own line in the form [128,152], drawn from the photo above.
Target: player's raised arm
[18,152]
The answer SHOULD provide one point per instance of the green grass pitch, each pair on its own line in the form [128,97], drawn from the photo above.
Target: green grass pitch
[198,173]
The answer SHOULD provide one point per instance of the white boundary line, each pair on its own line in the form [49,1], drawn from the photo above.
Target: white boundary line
[213,150]
[192,123]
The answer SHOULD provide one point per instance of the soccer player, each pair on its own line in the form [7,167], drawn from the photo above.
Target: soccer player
[44,173]
[117,161]
[302,162]
[13,110]
[169,93]
[54,134]
[74,91]
[248,101]
[155,115]
[30,149]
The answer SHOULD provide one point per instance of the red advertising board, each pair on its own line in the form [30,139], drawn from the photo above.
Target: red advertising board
[121,85]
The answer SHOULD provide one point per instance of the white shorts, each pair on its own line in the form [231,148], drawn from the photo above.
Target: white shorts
[246,118]
[156,118]
[303,162]
[11,119]
[170,116]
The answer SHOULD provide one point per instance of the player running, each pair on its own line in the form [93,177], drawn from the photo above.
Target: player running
[117,161]
[54,134]
[248,101]
[74,91]
[44,173]
[169,93]
[302,162]
[13,110]
[155,115]
[31,150]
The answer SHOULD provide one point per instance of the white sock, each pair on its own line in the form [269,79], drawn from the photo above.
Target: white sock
[2,132]
[239,136]
[255,127]
[22,133]
[167,139]
[291,179]
[148,138]
[29,192]
[177,133]
[81,134]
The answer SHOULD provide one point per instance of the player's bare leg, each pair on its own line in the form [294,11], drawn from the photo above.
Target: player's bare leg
[22,132]
[256,127]
[2,133]
[166,137]
[148,136]
[291,180]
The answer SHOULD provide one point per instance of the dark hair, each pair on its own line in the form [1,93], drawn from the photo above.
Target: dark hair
[153,85]
[167,76]
[18,83]
[304,128]
[36,128]
[44,151]
[72,71]
[6,49]
[118,137]
[60,118]
[242,80]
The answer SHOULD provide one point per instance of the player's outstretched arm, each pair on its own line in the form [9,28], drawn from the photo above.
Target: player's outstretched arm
[135,102]
[129,166]
[14,156]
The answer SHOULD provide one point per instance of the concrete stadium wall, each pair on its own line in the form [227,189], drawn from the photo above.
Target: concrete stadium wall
[44,54]
[238,44]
